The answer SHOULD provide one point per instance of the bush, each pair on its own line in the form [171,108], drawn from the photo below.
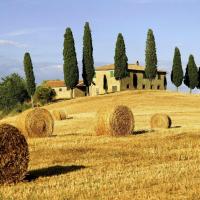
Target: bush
[44,95]
[12,92]
[21,107]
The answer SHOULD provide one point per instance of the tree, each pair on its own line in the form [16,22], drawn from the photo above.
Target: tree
[165,82]
[87,61]
[105,84]
[191,74]
[70,67]
[44,95]
[121,60]
[198,86]
[150,56]
[13,91]
[177,71]
[30,78]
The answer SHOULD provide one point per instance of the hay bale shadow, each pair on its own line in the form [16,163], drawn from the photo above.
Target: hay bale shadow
[51,171]
[138,132]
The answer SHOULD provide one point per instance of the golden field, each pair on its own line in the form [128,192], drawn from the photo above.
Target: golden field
[76,164]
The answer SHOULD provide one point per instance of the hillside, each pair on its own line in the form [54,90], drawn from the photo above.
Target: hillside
[76,164]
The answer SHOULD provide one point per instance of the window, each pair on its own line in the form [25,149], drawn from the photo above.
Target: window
[158,87]
[159,76]
[151,87]
[111,73]
[127,86]
[60,89]
[143,86]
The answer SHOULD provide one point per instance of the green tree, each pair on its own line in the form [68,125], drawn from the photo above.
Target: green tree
[177,71]
[87,61]
[70,67]
[44,95]
[198,86]
[30,78]
[13,91]
[105,84]
[191,74]
[150,56]
[121,60]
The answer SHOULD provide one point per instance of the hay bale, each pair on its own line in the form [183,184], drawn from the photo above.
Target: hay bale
[160,121]
[14,155]
[118,121]
[36,122]
[59,115]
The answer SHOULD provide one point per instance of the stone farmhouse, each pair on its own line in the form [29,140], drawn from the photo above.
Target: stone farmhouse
[62,92]
[135,81]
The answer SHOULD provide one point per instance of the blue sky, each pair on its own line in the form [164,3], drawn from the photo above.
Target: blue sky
[38,26]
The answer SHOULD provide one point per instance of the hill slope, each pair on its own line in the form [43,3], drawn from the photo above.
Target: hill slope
[76,164]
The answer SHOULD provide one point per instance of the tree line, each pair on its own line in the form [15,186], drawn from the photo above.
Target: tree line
[192,74]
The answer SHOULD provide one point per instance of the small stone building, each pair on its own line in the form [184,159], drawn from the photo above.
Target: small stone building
[62,92]
[135,80]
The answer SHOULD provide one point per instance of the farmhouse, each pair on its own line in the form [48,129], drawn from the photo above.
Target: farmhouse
[62,92]
[135,80]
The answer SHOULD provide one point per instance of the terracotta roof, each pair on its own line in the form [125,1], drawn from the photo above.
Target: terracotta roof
[130,67]
[59,83]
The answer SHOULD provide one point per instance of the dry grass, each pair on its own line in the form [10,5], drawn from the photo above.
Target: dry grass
[77,164]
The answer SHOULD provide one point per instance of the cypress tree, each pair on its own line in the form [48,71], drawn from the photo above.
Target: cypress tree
[105,84]
[121,60]
[177,71]
[150,56]
[87,61]
[191,74]
[198,86]
[30,78]
[70,67]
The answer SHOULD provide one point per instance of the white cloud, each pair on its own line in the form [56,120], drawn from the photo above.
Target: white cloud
[28,31]
[12,43]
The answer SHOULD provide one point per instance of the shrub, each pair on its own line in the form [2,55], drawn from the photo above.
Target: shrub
[44,95]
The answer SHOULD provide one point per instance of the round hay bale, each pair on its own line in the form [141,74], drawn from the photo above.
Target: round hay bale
[36,122]
[118,121]
[160,121]
[59,115]
[14,155]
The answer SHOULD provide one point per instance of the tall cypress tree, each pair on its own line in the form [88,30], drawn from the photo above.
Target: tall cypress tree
[87,61]
[30,78]
[121,60]
[177,71]
[150,56]
[191,74]
[105,83]
[70,67]
[198,86]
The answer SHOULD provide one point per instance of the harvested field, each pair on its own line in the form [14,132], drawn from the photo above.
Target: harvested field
[76,164]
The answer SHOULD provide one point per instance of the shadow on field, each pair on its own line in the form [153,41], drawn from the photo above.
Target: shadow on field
[138,132]
[176,127]
[51,171]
